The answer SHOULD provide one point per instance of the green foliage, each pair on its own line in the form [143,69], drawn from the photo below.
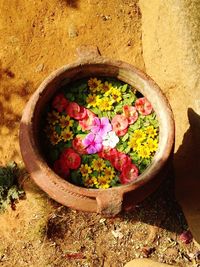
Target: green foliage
[76,178]
[10,190]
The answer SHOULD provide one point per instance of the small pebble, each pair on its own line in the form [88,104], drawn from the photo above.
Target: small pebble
[129,43]
[186,237]
[102,220]
[117,234]
[39,68]
[72,31]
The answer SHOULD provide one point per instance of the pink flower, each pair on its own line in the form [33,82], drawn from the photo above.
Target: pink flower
[86,123]
[75,111]
[120,124]
[92,143]
[130,113]
[143,106]
[108,153]
[129,173]
[120,160]
[101,126]
[78,145]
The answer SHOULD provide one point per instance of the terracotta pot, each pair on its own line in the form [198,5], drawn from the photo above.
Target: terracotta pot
[106,201]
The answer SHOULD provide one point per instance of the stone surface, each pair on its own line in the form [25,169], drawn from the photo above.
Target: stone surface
[145,263]
[171,46]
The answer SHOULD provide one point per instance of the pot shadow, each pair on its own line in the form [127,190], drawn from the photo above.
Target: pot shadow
[161,208]
[187,169]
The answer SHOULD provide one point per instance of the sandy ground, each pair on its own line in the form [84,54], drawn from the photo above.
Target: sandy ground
[36,38]
[39,36]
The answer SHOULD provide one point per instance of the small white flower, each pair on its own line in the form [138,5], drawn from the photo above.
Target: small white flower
[110,140]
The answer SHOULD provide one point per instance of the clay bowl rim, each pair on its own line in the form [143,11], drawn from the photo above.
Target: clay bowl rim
[159,159]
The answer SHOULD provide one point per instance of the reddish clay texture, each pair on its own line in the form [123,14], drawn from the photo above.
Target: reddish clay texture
[106,201]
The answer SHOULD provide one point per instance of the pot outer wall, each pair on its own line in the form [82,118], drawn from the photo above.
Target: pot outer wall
[106,201]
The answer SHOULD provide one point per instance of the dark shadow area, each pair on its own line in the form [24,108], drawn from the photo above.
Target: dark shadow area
[187,170]
[187,157]
[160,209]
[71,3]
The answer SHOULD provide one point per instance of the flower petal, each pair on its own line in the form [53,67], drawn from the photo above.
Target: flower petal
[98,139]
[98,147]
[88,139]
[95,125]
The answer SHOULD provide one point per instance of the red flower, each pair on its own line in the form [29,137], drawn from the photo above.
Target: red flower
[61,169]
[119,124]
[86,123]
[78,145]
[123,132]
[143,106]
[120,160]
[129,173]
[70,158]
[60,102]
[108,153]
[130,113]
[116,158]
[75,111]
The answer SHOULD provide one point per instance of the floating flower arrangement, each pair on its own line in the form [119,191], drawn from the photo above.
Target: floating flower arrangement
[100,133]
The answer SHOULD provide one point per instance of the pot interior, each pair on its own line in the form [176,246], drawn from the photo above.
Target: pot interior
[124,73]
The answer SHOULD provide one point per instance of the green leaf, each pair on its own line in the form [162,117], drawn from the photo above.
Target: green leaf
[58,129]
[69,96]
[95,173]
[118,108]
[127,150]
[9,187]
[68,144]
[76,178]
[124,88]
[135,126]
[95,110]
[79,128]
[53,155]
[125,137]
[120,147]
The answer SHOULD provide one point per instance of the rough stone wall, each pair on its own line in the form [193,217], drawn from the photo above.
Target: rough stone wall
[171,50]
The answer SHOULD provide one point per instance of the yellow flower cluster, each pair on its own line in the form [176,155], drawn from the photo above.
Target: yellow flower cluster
[54,120]
[103,95]
[90,177]
[114,94]
[144,141]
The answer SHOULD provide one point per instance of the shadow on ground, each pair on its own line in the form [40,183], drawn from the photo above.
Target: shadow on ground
[71,3]
[187,170]
[12,101]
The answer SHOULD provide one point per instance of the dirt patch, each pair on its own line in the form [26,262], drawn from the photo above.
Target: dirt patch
[38,37]
[52,235]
